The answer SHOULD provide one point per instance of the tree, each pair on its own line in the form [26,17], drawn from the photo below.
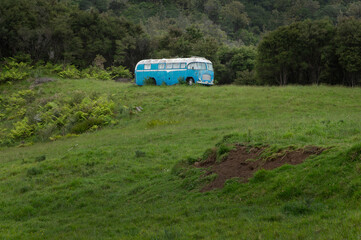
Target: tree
[233,17]
[348,42]
[295,53]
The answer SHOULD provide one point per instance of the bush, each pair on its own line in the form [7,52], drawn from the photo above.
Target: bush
[22,129]
[71,72]
[85,125]
[55,117]
[120,72]
[245,78]
[96,73]
[14,71]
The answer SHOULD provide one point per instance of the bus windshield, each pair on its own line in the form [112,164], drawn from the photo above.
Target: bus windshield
[209,66]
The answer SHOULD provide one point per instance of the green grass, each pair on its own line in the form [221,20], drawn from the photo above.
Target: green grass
[117,183]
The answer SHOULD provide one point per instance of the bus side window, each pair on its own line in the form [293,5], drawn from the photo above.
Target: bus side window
[191,66]
[161,66]
[169,66]
[146,66]
[176,65]
[183,65]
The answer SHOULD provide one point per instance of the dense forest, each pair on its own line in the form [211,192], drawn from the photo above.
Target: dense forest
[250,42]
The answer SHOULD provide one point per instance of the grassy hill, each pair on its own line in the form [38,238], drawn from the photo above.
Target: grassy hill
[118,182]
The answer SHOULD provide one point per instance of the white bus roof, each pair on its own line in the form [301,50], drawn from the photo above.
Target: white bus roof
[174,60]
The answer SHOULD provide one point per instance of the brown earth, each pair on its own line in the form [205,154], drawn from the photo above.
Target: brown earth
[242,162]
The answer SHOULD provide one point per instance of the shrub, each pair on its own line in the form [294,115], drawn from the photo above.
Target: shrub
[120,72]
[99,61]
[70,71]
[85,125]
[245,78]
[14,70]
[56,116]
[22,129]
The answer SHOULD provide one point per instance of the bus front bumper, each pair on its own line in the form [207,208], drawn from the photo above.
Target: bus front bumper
[205,82]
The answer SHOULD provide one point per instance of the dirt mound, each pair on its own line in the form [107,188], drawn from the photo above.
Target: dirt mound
[243,161]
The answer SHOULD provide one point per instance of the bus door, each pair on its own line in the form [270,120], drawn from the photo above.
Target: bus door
[193,71]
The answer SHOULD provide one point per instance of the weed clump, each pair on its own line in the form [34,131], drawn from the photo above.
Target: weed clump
[297,208]
[139,154]
[40,158]
[222,152]
[33,171]
[354,154]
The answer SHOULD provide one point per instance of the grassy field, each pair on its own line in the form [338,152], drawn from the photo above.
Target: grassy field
[117,182]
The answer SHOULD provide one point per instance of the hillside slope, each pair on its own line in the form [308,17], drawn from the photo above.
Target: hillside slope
[117,182]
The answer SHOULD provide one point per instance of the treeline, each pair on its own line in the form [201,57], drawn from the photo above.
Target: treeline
[240,21]
[58,32]
[312,52]
[37,32]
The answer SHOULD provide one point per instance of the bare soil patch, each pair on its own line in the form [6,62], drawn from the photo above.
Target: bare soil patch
[242,162]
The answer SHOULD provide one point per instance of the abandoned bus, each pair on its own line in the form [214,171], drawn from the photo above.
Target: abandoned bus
[170,71]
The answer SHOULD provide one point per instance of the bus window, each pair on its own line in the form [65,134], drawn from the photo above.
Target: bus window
[146,66]
[161,66]
[183,65]
[209,66]
[201,66]
[192,66]
[197,66]
[176,65]
[169,66]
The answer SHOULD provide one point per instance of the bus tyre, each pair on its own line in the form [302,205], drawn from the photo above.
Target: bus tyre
[190,81]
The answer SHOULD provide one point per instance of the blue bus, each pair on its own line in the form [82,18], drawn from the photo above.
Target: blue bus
[169,71]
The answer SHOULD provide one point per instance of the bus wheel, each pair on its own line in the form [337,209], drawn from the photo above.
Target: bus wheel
[190,81]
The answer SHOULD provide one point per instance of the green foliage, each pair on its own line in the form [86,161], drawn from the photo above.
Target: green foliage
[222,151]
[13,70]
[70,71]
[51,119]
[120,72]
[22,129]
[85,125]
[246,78]
[234,64]
[348,49]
